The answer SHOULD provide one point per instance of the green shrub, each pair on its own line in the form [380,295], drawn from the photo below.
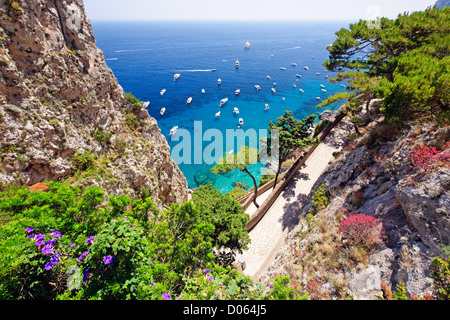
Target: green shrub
[83,161]
[237,193]
[320,199]
[441,277]
[101,136]
[319,128]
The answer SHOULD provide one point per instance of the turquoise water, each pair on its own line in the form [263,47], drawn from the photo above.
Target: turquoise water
[144,57]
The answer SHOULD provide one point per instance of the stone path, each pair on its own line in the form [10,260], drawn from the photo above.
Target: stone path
[270,233]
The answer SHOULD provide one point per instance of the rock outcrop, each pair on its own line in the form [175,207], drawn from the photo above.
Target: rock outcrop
[60,102]
[374,176]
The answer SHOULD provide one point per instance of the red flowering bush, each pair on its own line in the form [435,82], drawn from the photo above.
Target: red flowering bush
[359,229]
[424,157]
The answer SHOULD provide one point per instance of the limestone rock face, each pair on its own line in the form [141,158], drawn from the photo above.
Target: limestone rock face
[427,206]
[58,99]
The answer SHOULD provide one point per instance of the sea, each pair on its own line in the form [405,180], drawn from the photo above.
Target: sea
[145,55]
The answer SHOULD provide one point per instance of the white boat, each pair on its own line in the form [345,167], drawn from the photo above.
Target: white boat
[241,122]
[301,90]
[223,101]
[189,100]
[237,91]
[294,85]
[322,86]
[327,77]
[343,85]
[317,98]
[283,68]
[163,91]
[273,90]
[268,77]
[237,63]
[306,68]
[247,45]
[236,110]
[257,87]
[203,91]
[176,76]
[284,99]
[173,130]
[219,81]
[267,106]
[298,75]
[324,90]
[163,110]
[274,84]
[293,64]
[145,104]
[318,73]
[218,114]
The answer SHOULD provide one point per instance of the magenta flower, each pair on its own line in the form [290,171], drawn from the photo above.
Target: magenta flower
[56,234]
[108,260]
[165,296]
[206,271]
[90,240]
[81,258]
[29,229]
[47,249]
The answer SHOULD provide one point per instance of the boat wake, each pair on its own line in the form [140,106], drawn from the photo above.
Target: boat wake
[135,50]
[112,59]
[293,48]
[198,70]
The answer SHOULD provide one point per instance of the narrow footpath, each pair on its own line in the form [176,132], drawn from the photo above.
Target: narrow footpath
[269,235]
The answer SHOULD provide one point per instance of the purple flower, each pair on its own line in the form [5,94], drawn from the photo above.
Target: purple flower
[165,296]
[81,258]
[153,283]
[56,234]
[108,260]
[85,275]
[49,265]
[29,229]
[47,249]
[90,239]
[207,271]
[211,278]
[39,243]
[71,244]
[40,237]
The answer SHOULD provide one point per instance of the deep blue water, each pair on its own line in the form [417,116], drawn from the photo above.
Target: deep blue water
[144,57]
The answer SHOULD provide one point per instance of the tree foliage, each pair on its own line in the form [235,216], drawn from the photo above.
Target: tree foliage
[405,61]
[292,134]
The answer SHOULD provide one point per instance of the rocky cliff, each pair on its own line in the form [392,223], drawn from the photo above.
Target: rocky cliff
[63,115]
[375,175]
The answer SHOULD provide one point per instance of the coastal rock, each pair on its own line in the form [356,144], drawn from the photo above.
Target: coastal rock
[427,206]
[59,99]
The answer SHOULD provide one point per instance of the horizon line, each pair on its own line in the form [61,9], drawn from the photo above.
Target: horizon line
[221,20]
